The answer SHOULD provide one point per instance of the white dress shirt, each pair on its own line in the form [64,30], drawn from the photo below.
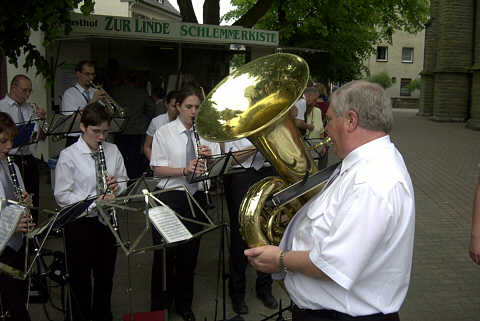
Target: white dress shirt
[74,98]
[169,149]
[301,105]
[359,232]
[156,123]
[75,173]
[256,160]
[9,106]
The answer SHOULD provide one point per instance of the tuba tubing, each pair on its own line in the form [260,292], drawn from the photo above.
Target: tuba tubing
[254,102]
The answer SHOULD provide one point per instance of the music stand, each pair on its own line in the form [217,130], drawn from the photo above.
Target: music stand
[150,200]
[63,124]
[217,165]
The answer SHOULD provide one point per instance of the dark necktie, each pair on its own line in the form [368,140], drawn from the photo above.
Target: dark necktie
[20,114]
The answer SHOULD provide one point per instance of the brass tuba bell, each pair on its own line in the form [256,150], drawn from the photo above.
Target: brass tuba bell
[254,102]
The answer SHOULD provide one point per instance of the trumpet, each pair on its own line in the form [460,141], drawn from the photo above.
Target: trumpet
[204,182]
[110,103]
[106,189]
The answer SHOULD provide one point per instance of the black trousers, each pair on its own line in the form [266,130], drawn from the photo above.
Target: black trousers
[13,291]
[181,260]
[131,148]
[331,315]
[236,186]
[29,168]
[91,252]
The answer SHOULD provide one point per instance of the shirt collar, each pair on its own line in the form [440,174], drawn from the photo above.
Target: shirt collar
[82,146]
[10,101]
[365,151]
[82,90]
[179,126]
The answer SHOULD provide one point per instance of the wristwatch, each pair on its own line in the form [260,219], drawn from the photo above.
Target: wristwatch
[281,263]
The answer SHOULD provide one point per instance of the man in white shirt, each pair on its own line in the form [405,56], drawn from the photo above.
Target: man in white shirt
[82,93]
[347,254]
[160,120]
[90,245]
[25,114]
[251,169]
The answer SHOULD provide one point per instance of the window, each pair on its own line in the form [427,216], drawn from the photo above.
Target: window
[407,55]
[382,53]
[404,91]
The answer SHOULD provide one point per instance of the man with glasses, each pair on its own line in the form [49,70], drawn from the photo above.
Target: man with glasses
[24,115]
[81,94]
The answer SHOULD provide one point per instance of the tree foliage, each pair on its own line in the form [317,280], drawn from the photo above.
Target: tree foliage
[348,29]
[383,79]
[19,18]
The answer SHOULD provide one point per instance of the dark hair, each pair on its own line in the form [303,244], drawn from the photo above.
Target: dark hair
[158,92]
[7,125]
[17,78]
[172,95]
[187,91]
[95,114]
[79,66]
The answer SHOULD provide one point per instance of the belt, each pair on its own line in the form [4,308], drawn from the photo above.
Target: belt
[306,314]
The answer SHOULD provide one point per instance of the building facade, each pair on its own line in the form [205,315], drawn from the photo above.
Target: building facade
[402,60]
[451,76]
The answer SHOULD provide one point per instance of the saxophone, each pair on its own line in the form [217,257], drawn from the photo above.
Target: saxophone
[103,170]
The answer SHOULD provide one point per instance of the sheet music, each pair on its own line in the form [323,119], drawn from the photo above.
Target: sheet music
[9,218]
[168,224]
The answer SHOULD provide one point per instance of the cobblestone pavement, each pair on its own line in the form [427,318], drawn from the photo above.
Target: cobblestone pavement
[442,159]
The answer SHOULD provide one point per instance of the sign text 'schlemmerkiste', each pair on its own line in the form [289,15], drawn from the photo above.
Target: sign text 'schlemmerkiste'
[167,30]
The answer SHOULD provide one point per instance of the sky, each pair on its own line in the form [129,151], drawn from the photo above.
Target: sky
[225,6]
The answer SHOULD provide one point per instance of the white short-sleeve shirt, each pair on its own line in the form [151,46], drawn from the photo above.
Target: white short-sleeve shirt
[156,123]
[301,105]
[359,232]
[256,160]
[169,149]
[9,106]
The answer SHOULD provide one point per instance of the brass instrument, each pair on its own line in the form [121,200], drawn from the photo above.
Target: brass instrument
[110,103]
[105,188]
[254,102]
[204,182]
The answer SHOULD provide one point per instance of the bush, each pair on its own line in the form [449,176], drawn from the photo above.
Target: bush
[414,84]
[383,79]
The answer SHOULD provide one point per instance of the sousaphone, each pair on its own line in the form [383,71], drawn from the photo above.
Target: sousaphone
[254,102]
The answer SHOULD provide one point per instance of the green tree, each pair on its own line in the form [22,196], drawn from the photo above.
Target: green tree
[383,79]
[347,29]
[19,18]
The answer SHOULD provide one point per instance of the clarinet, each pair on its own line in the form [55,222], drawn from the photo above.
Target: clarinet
[106,189]
[204,182]
[18,197]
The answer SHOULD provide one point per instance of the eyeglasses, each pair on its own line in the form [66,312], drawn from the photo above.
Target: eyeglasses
[24,90]
[89,74]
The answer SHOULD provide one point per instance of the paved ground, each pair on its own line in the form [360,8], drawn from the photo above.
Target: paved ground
[442,159]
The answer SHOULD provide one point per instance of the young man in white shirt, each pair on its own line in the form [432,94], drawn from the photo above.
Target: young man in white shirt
[82,93]
[15,104]
[348,251]
[160,120]
[90,245]
[12,290]
[309,96]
